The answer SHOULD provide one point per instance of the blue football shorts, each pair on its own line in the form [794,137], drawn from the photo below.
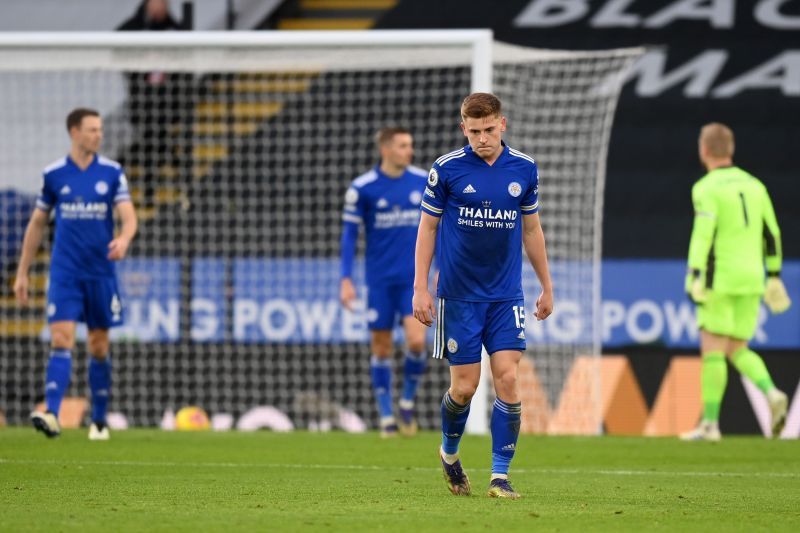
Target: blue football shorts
[95,302]
[462,327]
[388,304]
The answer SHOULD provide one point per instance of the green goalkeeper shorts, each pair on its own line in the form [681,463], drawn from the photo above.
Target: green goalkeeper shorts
[732,315]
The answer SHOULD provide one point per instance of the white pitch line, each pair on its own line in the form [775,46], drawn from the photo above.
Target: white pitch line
[553,471]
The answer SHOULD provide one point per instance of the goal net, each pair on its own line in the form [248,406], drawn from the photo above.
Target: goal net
[239,148]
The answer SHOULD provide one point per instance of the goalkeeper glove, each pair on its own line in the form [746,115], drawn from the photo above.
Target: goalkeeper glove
[695,287]
[775,296]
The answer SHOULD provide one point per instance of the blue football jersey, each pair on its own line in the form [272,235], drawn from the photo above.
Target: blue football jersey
[83,201]
[389,210]
[479,244]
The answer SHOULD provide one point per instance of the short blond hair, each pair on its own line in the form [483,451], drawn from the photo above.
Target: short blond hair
[480,105]
[718,140]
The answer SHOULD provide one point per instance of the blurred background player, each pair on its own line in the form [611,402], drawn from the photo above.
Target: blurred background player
[487,195]
[386,201]
[83,189]
[734,229]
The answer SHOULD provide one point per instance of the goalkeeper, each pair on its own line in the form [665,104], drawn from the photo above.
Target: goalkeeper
[386,201]
[735,233]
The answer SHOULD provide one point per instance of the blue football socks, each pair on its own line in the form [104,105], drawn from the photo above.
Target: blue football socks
[381,372]
[505,432]
[413,369]
[59,371]
[100,387]
[454,420]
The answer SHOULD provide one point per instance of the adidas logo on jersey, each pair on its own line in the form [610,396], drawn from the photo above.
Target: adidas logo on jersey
[65,190]
[382,203]
[521,335]
[469,189]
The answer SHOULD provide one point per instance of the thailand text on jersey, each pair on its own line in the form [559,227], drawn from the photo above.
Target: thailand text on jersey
[389,210]
[479,245]
[83,202]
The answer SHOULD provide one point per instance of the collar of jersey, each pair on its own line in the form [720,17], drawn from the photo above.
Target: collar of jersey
[75,166]
[468,149]
[380,174]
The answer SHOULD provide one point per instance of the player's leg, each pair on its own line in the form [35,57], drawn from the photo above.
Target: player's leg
[715,320]
[457,335]
[504,339]
[380,369]
[99,382]
[414,363]
[750,364]
[64,309]
[103,311]
[505,421]
[464,380]
[57,378]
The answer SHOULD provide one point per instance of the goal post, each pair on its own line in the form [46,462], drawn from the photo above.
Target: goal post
[239,147]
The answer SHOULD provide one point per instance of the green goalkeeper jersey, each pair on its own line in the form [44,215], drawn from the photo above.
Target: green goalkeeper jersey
[735,232]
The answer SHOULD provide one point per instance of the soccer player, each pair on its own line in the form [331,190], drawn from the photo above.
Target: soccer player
[486,195]
[386,201]
[735,235]
[82,189]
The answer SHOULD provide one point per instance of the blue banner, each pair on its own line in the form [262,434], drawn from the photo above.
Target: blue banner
[209,305]
[297,301]
[644,302]
[150,290]
[294,301]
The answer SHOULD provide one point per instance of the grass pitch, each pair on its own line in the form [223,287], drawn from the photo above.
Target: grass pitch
[149,480]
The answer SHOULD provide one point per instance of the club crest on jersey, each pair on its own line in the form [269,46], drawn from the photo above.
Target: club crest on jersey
[452,345]
[415,197]
[433,177]
[101,187]
[514,189]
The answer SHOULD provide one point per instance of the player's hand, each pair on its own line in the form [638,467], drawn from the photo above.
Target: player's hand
[695,288]
[118,248]
[347,293]
[775,296]
[424,310]
[544,305]
[21,289]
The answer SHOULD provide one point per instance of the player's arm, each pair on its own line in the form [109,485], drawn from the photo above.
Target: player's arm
[423,256]
[772,239]
[30,244]
[702,239]
[347,290]
[352,218]
[775,296]
[118,248]
[536,250]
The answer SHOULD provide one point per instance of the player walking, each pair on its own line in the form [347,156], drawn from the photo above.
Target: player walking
[386,201]
[735,233]
[82,189]
[486,195]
